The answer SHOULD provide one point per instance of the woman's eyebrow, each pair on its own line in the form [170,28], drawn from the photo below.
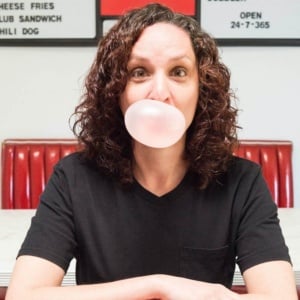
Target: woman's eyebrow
[136,57]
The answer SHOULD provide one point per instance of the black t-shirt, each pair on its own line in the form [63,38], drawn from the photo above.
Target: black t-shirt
[117,233]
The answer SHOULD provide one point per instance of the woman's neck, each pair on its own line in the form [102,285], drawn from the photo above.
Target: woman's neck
[159,170]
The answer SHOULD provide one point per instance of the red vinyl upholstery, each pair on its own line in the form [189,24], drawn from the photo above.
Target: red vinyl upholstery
[275,157]
[27,165]
[2,292]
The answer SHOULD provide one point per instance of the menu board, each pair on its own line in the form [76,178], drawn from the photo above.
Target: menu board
[252,21]
[111,10]
[51,21]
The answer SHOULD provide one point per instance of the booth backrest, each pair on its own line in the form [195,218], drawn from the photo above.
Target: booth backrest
[275,158]
[27,165]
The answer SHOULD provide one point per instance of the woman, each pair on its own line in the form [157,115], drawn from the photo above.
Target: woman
[155,223]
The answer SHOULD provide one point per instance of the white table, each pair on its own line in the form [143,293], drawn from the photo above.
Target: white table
[15,223]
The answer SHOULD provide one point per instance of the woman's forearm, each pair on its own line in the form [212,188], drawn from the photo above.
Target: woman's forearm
[137,288]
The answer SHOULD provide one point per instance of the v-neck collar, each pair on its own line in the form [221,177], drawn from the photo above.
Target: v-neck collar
[177,191]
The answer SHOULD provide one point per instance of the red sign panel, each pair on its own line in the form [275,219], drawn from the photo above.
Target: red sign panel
[119,7]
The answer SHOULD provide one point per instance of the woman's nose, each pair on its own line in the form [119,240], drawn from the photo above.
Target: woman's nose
[160,89]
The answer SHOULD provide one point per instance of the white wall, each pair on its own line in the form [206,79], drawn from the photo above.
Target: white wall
[39,88]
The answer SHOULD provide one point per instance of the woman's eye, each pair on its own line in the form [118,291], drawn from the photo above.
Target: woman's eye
[138,72]
[179,72]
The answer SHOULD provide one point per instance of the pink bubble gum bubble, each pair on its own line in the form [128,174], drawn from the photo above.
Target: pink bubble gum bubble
[154,123]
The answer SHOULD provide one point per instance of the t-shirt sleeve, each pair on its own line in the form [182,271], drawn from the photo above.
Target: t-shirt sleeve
[259,236]
[51,235]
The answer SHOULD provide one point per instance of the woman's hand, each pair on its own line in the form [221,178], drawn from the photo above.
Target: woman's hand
[178,288]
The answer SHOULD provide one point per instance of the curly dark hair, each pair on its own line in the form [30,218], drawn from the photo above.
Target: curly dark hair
[99,124]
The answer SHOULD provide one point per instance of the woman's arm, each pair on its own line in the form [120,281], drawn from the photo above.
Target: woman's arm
[270,280]
[38,279]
